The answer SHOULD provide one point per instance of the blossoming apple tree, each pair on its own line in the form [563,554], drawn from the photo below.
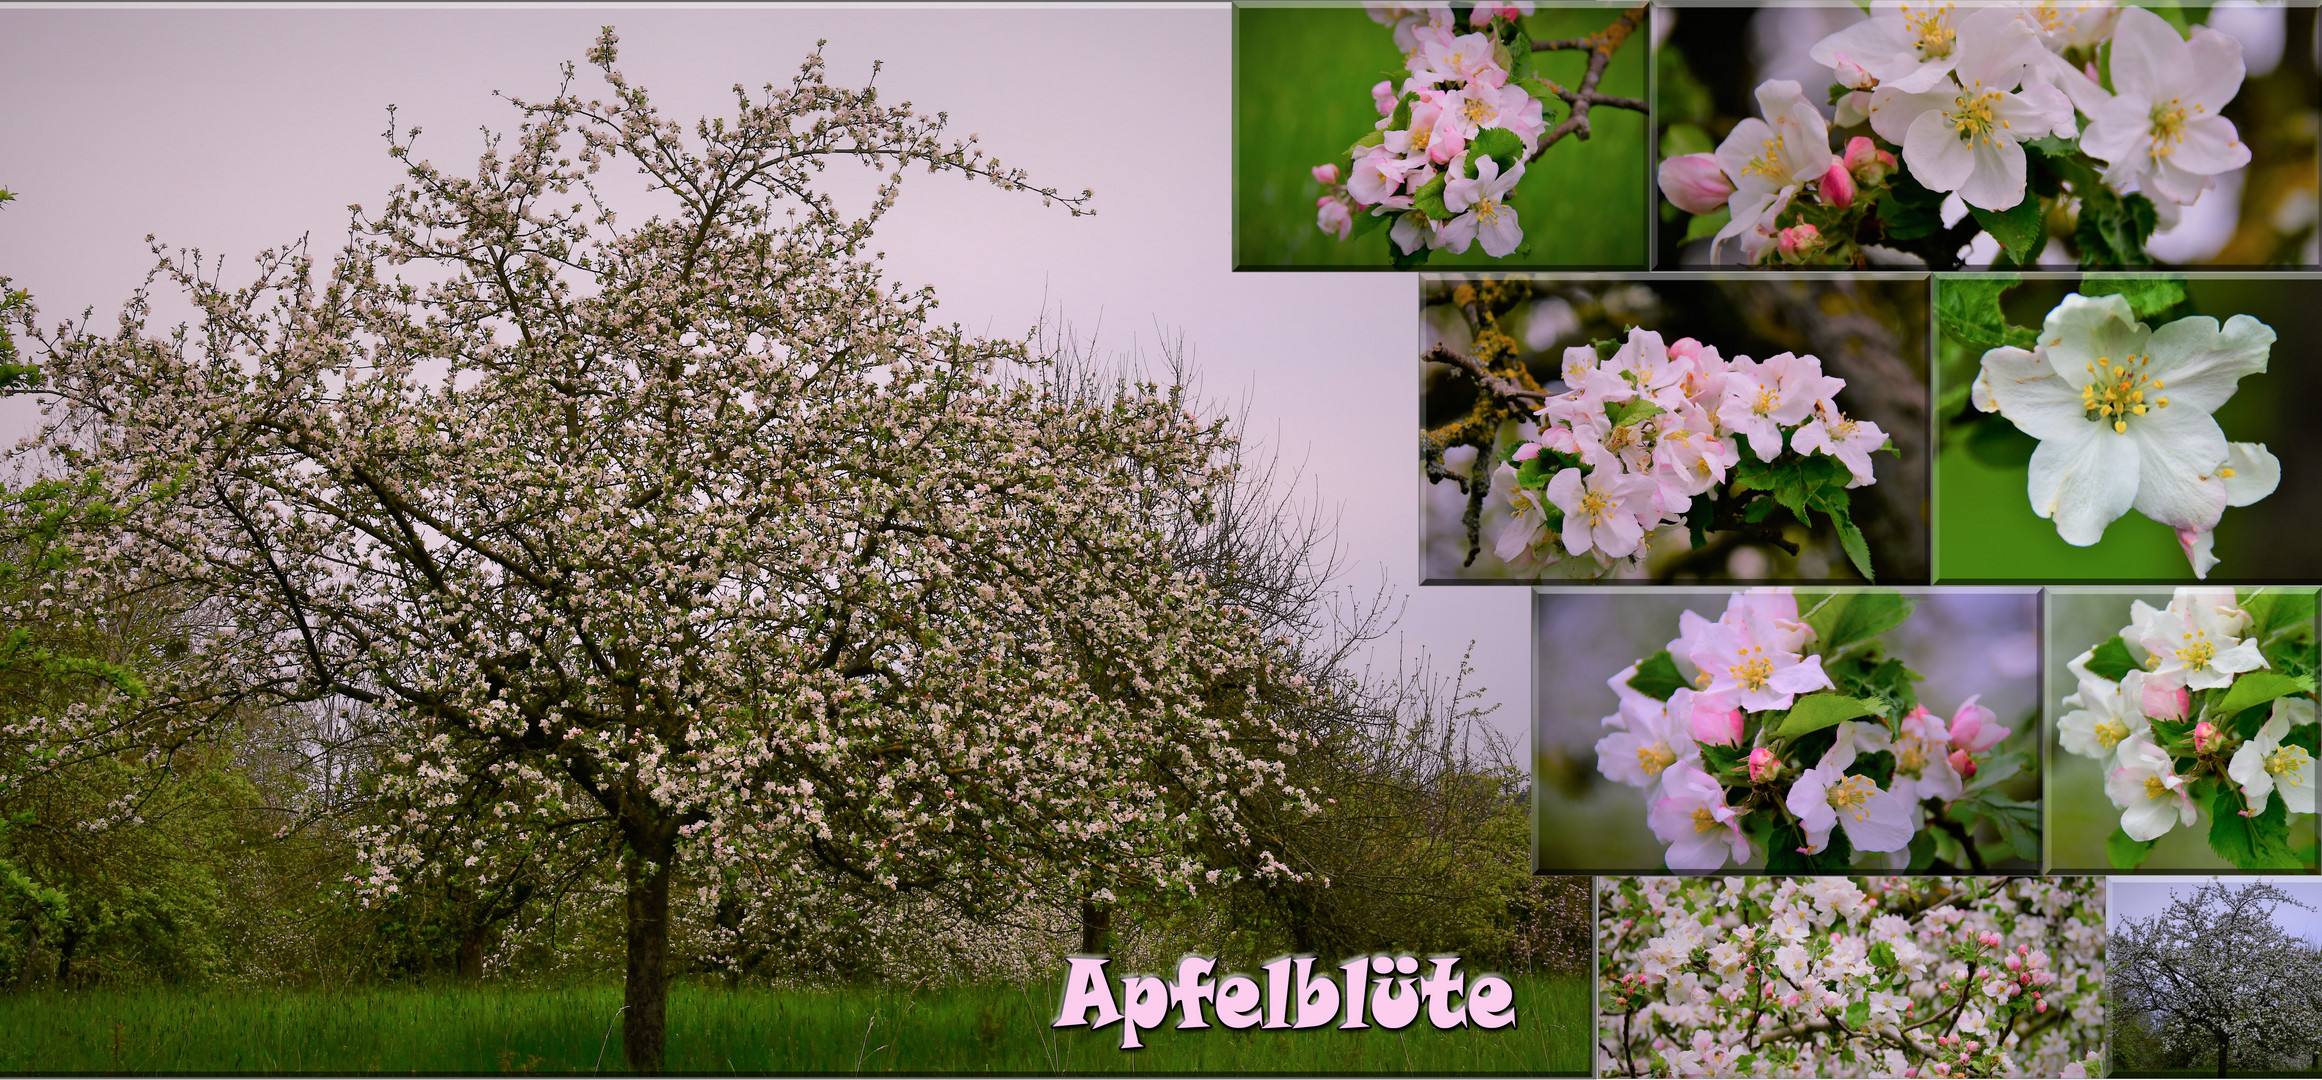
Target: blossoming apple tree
[2222,977]
[1834,976]
[2205,705]
[1782,727]
[1646,436]
[1453,137]
[681,540]
[2122,411]
[2103,118]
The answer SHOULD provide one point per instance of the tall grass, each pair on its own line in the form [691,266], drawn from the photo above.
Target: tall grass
[991,1029]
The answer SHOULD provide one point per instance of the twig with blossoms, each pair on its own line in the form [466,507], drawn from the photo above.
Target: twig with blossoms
[1454,136]
[1848,977]
[1791,734]
[1984,103]
[1646,436]
[2206,704]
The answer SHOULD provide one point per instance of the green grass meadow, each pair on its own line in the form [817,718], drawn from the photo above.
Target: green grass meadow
[1302,96]
[514,1030]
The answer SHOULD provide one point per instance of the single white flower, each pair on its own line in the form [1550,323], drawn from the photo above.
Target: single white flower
[2161,131]
[2102,714]
[1484,213]
[2152,797]
[2196,647]
[1602,512]
[1824,797]
[1526,535]
[1692,818]
[1850,441]
[1968,136]
[1770,159]
[2264,765]
[1908,46]
[1763,398]
[1654,736]
[2122,413]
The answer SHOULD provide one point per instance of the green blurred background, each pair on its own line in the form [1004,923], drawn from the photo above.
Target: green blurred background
[2079,814]
[1302,96]
[1984,526]
[1964,642]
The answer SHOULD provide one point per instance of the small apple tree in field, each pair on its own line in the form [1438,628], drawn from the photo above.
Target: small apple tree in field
[690,543]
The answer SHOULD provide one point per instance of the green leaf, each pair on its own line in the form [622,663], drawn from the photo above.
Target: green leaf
[2126,854]
[1657,677]
[1883,955]
[1498,144]
[2112,660]
[1630,411]
[1428,199]
[1868,614]
[2018,822]
[1375,138]
[2148,294]
[1858,1015]
[1922,850]
[1705,226]
[1813,712]
[2255,842]
[1906,221]
[1402,119]
[1969,310]
[2020,228]
[2275,611]
[2256,688]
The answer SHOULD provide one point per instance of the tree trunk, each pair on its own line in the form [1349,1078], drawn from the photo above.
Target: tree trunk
[471,958]
[65,948]
[644,1024]
[1096,928]
[2224,1055]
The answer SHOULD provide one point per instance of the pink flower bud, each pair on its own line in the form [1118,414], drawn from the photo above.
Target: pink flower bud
[1974,728]
[1989,939]
[2039,1006]
[1326,174]
[1714,726]
[1695,183]
[1838,186]
[2165,702]
[1383,95]
[2206,737]
[1853,76]
[1973,1046]
[1869,164]
[1962,764]
[1790,999]
[1763,765]
[2015,962]
[1331,215]
[1799,242]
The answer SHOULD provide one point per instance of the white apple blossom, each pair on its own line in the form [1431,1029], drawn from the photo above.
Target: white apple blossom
[1824,797]
[1692,817]
[2145,785]
[2161,130]
[2196,646]
[1770,159]
[1607,511]
[1966,136]
[2265,764]
[1483,212]
[2122,413]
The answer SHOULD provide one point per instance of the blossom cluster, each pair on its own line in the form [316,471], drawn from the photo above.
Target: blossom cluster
[2123,415]
[1649,436]
[2188,711]
[1741,739]
[2112,98]
[1921,977]
[1452,137]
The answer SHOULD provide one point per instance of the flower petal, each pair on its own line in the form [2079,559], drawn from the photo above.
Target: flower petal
[2086,329]
[2256,473]
[2084,480]
[1997,182]
[2178,452]
[1935,155]
[2202,363]
[2148,58]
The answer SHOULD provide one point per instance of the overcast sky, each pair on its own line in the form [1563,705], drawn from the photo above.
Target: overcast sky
[235,129]
[2145,897]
